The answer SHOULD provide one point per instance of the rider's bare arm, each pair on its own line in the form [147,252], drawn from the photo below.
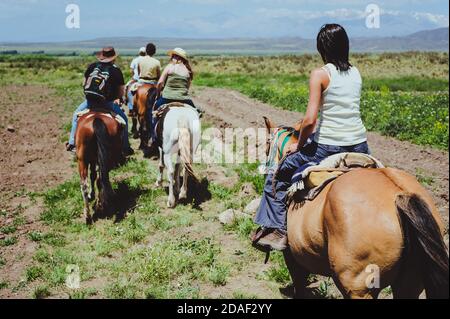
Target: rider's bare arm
[163,79]
[120,93]
[318,82]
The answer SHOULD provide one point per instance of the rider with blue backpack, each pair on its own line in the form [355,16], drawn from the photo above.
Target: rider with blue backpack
[103,87]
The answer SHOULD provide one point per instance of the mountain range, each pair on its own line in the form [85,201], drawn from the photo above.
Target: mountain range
[428,40]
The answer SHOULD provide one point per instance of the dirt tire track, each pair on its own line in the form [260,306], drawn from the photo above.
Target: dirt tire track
[226,108]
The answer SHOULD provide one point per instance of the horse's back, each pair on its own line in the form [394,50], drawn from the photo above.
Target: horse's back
[86,123]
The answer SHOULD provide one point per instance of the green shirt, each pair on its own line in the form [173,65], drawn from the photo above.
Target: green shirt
[176,88]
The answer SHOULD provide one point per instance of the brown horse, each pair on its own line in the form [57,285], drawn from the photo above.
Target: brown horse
[369,229]
[99,143]
[143,103]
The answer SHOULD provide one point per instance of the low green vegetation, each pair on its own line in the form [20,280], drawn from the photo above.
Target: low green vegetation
[152,252]
[413,109]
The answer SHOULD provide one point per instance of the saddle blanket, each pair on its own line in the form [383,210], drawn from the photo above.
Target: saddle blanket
[135,86]
[160,114]
[107,113]
[310,181]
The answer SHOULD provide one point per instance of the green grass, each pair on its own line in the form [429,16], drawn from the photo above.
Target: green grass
[278,272]
[146,255]
[412,109]
[423,178]
[41,292]
[8,229]
[8,241]
[33,273]
[83,293]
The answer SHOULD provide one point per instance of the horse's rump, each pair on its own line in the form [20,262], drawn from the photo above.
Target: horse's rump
[356,224]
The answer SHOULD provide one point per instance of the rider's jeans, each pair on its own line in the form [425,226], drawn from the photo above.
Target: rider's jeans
[130,100]
[273,210]
[112,106]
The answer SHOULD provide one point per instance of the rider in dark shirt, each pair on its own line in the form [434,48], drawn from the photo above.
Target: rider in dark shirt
[116,86]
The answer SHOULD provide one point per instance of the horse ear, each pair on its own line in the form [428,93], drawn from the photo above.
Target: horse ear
[269,123]
[298,126]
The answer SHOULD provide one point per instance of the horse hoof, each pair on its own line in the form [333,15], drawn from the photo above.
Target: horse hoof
[158,184]
[171,204]
[183,195]
[89,221]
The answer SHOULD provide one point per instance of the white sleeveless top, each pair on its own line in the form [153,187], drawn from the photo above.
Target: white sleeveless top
[340,121]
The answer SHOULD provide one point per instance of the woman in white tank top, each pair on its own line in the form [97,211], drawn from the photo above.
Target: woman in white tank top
[333,113]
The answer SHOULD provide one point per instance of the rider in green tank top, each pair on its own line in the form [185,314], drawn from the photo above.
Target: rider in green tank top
[174,83]
[177,87]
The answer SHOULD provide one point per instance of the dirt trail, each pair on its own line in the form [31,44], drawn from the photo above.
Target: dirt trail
[32,158]
[226,108]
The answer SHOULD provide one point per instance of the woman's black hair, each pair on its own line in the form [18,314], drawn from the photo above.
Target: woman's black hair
[150,49]
[334,46]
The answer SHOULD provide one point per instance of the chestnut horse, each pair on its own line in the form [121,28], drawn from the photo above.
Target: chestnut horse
[368,229]
[99,143]
[144,100]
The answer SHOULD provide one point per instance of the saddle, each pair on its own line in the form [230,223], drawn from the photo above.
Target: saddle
[106,112]
[310,180]
[160,114]
[135,86]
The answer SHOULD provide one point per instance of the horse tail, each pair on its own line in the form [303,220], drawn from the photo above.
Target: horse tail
[423,236]
[184,142]
[151,98]
[103,157]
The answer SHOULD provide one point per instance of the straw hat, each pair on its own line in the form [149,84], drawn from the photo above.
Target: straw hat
[180,52]
[107,55]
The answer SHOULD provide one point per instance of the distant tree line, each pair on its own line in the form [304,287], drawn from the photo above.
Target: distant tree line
[15,52]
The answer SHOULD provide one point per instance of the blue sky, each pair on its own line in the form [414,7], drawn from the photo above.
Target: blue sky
[44,20]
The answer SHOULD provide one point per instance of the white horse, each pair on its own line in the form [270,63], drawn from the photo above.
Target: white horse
[180,139]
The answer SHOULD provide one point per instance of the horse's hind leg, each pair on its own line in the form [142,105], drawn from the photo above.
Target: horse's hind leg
[93,179]
[161,168]
[134,130]
[84,183]
[171,177]
[177,179]
[183,191]
[406,290]
[298,274]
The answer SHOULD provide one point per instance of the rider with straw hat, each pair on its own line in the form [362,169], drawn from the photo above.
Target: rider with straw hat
[175,82]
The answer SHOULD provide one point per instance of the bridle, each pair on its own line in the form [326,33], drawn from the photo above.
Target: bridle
[275,149]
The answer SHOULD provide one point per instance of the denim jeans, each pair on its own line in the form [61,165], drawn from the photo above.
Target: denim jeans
[110,105]
[130,100]
[273,208]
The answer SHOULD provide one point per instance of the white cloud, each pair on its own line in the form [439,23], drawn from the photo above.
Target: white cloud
[437,19]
